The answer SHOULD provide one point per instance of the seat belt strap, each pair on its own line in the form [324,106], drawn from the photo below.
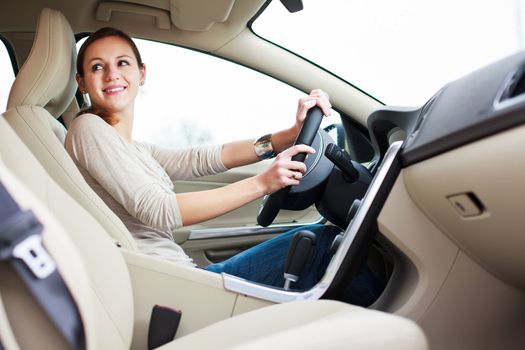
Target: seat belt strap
[21,245]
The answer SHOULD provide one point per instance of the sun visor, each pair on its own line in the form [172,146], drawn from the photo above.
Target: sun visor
[190,15]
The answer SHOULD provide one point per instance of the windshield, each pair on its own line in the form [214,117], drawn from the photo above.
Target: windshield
[398,51]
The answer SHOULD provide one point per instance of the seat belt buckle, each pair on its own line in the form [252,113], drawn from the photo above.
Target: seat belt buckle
[31,251]
[21,238]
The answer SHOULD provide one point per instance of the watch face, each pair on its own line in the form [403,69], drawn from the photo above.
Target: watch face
[263,146]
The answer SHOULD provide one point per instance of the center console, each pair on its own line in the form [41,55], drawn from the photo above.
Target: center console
[361,229]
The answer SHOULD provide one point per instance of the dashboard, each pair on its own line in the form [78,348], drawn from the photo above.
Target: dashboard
[462,164]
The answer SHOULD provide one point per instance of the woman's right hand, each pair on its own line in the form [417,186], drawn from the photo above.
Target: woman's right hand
[283,171]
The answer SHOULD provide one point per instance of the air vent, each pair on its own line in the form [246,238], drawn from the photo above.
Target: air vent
[515,85]
[519,87]
[425,110]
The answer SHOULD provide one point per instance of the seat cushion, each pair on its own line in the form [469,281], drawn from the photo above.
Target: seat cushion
[317,324]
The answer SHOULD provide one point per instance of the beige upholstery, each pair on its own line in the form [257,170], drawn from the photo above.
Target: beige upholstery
[47,77]
[307,325]
[86,254]
[96,274]
[43,89]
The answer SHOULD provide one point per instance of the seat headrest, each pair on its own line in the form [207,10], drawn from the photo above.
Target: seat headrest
[47,78]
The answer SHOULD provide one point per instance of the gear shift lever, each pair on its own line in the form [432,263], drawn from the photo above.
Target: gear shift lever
[299,252]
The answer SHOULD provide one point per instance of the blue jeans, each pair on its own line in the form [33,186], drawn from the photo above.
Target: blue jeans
[264,263]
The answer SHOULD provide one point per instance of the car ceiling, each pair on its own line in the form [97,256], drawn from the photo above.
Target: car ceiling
[214,26]
[214,22]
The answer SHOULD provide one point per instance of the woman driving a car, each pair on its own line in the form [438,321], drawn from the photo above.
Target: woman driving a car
[135,179]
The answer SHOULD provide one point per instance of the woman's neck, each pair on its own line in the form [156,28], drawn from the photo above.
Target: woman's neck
[124,126]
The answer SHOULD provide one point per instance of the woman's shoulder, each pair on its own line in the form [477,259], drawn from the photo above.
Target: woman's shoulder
[88,120]
[90,126]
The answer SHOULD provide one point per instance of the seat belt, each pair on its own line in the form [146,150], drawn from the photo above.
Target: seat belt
[21,246]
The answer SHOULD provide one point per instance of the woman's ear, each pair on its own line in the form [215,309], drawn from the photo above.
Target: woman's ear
[80,82]
[142,74]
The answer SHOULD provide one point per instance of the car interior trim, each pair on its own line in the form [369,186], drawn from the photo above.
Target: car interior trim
[224,232]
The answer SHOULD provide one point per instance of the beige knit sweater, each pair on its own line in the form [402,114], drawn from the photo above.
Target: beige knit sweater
[136,179]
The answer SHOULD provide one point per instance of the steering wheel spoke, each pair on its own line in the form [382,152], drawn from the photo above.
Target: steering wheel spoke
[273,203]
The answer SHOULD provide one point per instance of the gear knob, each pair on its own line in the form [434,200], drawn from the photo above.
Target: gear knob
[299,252]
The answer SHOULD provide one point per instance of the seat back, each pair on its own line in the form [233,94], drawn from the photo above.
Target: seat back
[91,264]
[41,92]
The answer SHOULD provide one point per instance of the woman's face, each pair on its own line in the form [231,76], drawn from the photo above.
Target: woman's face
[111,76]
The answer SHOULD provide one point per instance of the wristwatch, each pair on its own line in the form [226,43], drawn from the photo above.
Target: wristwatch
[263,147]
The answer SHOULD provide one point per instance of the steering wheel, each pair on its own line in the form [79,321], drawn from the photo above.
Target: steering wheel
[272,204]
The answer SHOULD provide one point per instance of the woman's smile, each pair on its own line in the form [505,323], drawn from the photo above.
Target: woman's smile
[114,89]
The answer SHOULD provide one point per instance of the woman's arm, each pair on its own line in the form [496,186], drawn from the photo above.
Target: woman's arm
[240,153]
[196,207]
[182,164]
[97,149]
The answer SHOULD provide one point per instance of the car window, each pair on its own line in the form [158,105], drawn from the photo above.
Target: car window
[192,98]
[8,76]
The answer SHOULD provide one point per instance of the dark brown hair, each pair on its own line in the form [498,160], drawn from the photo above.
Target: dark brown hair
[101,34]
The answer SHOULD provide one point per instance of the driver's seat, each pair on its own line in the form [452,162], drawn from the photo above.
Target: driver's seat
[41,92]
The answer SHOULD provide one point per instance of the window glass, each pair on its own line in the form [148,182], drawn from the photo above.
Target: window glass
[8,76]
[192,98]
[399,51]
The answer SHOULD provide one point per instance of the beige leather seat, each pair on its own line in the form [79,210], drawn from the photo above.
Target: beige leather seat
[104,285]
[42,90]
[98,279]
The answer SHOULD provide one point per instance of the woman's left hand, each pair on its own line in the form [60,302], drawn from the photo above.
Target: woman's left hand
[283,139]
[318,98]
